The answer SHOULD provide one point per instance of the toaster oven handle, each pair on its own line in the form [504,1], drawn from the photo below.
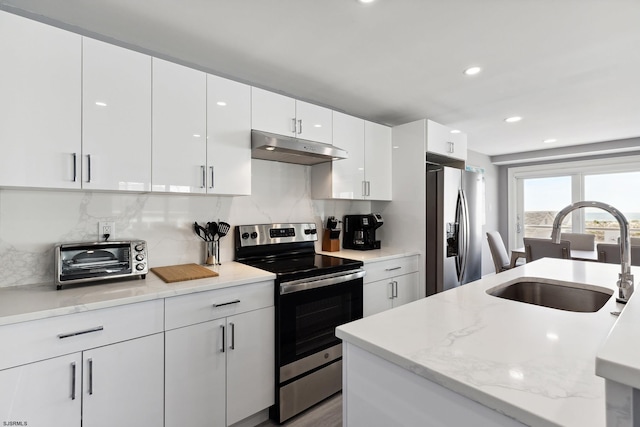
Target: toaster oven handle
[86,331]
[320,281]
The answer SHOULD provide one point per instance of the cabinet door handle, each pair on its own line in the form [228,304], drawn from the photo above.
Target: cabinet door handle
[235,301]
[395,289]
[300,127]
[223,338]
[293,126]
[391,290]
[73,380]
[451,147]
[368,188]
[393,268]
[75,166]
[204,176]
[233,336]
[211,167]
[88,167]
[364,188]
[85,331]
[90,362]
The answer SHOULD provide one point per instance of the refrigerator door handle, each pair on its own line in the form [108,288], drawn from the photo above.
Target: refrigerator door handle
[458,236]
[464,233]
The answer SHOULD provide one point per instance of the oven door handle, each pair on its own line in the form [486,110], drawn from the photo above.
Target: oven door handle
[320,281]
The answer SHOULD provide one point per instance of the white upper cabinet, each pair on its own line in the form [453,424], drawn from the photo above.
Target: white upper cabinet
[279,114]
[272,112]
[314,122]
[40,104]
[366,173]
[116,118]
[179,128]
[377,154]
[228,137]
[440,140]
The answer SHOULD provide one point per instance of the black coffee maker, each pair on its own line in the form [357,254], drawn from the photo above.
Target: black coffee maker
[360,231]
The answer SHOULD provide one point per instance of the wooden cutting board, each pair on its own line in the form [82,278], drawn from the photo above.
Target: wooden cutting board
[182,272]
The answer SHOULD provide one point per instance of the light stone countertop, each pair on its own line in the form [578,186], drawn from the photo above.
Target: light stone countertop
[373,255]
[534,364]
[33,302]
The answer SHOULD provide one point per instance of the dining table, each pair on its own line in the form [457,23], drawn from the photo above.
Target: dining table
[576,254]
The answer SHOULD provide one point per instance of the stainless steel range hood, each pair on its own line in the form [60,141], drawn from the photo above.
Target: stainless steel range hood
[280,148]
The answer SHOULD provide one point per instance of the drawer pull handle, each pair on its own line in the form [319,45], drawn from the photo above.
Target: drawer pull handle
[73,380]
[391,269]
[86,331]
[236,301]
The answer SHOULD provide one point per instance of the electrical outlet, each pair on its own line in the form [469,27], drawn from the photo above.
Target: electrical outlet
[106,227]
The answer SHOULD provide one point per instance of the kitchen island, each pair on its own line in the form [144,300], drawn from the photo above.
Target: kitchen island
[464,357]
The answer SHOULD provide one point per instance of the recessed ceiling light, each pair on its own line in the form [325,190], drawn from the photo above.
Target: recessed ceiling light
[513,119]
[550,140]
[317,125]
[101,104]
[221,103]
[472,71]
[396,146]
[366,1]
[195,135]
[455,131]
[270,148]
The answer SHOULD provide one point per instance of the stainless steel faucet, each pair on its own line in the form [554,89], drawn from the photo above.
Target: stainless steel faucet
[625,278]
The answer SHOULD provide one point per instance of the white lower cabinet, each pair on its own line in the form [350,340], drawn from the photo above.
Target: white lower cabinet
[390,284]
[44,393]
[119,384]
[220,371]
[124,383]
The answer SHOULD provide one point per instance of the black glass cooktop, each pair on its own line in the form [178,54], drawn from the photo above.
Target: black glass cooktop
[305,265]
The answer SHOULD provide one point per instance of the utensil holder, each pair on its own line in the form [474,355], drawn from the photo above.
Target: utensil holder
[210,249]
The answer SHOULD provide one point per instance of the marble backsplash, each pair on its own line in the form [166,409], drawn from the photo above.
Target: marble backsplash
[32,222]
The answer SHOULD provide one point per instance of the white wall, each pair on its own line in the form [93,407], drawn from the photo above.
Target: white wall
[32,222]
[491,204]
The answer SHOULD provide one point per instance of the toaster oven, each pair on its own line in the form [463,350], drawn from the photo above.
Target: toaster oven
[82,263]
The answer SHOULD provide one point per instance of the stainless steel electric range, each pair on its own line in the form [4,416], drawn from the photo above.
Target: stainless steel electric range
[313,295]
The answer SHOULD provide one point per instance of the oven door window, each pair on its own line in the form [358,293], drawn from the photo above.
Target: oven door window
[308,319]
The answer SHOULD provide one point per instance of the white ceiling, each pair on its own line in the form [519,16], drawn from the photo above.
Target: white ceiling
[569,67]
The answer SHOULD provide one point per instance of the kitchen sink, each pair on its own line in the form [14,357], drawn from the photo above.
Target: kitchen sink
[552,294]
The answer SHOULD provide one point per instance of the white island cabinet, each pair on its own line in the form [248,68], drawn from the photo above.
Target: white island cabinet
[116,118]
[40,104]
[76,369]
[466,357]
[219,355]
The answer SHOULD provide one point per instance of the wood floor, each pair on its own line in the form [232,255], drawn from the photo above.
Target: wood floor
[325,414]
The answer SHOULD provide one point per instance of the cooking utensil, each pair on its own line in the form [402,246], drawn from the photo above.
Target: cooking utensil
[223,229]
[200,231]
[212,228]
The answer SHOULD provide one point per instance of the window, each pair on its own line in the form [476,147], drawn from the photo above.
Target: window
[537,193]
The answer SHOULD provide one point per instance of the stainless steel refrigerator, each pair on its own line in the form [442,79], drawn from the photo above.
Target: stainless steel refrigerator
[454,227]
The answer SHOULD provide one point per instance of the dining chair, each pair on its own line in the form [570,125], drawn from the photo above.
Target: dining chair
[610,253]
[544,248]
[580,241]
[499,252]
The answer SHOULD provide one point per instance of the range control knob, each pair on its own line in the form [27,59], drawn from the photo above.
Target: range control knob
[139,267]
[314,231]
[254,235]
[307,231]
[245,236]
[139,257]
[139,247]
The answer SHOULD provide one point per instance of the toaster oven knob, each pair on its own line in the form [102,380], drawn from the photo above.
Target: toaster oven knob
[139,267]
[254,235]
[139,257]
[139,248]
[245,236]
